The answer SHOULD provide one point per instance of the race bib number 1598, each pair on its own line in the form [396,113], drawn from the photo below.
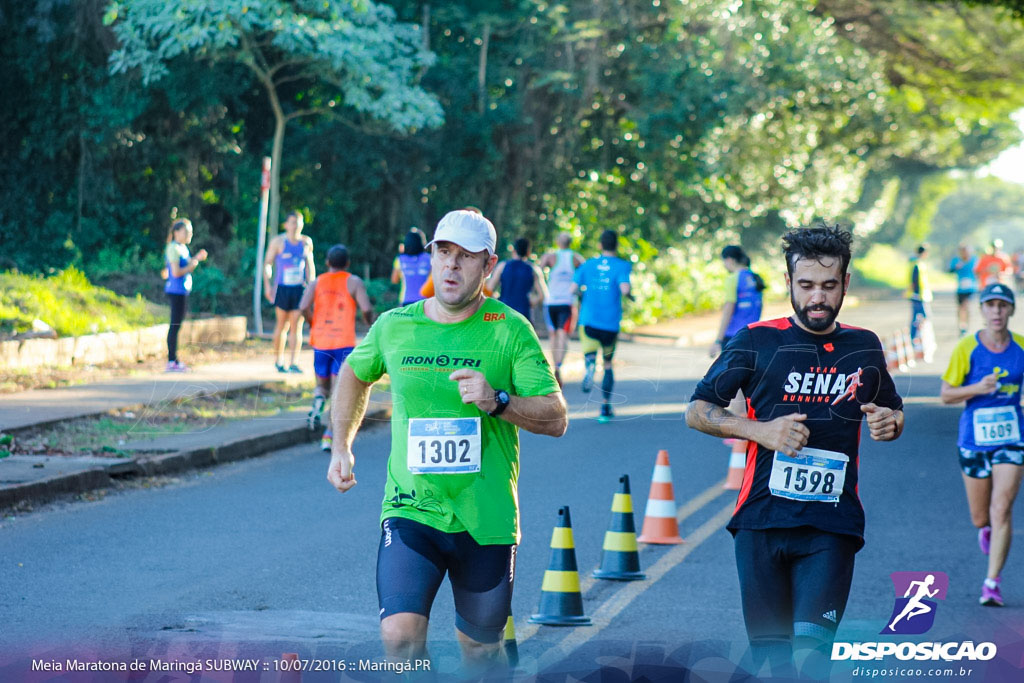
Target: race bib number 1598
[811,475]
[444,445]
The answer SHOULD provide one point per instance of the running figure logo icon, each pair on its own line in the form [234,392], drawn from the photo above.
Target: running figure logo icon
[852,384]
[914,613]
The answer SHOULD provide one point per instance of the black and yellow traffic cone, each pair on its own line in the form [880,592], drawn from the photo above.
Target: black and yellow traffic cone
[511,647]
[620,558]
[561,603]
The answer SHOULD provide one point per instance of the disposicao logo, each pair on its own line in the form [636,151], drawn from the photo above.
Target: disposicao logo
[913,614]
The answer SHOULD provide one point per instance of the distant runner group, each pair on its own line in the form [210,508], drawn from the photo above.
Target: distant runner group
[467,371]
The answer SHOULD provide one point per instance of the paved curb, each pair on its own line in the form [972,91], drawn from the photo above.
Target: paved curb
[51,488]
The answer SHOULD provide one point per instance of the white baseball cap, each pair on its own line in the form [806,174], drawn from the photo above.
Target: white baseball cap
[468,229]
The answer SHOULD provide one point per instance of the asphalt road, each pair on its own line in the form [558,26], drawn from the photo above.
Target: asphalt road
[263,557]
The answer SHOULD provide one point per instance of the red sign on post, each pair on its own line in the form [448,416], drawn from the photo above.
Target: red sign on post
[265,177]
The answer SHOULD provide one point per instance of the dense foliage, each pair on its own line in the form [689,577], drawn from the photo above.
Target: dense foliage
[683,124]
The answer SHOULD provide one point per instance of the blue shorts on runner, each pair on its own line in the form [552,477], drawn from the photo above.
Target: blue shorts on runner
[413,559]
[328,362]
[978,464]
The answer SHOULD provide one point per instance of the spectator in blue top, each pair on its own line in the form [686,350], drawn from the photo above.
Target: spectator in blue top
[743,290]
[963,265]
[180,265]
[412,267]
[602,282]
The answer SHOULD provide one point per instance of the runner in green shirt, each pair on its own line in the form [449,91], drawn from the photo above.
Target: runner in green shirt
[466,373]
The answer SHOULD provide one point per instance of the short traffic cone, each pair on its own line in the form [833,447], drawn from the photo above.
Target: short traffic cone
[737,463]
[620,558]
[660,525]
[892,357]
[908,348]
[291,670]
[511,647]
[561,603]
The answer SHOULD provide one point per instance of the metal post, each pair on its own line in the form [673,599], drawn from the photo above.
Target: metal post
[261,245]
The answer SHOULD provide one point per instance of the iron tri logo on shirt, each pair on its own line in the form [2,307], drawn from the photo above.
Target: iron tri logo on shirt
[442,361]
[819,385]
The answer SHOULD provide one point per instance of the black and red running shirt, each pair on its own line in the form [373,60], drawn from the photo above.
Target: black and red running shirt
[781,369]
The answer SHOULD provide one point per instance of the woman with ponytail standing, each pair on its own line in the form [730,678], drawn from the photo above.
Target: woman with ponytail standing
[180,265]
[742,296]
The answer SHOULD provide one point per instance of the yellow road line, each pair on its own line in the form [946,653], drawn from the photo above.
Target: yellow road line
[587,582]
[621,599]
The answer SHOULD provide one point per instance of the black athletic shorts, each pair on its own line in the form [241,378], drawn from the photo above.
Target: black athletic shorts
[603,337]
[411,563]
[794,582]
[559,316]
[288,297]
[961,297]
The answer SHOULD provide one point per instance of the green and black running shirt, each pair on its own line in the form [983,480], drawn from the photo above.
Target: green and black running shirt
[781,369]
[451,466]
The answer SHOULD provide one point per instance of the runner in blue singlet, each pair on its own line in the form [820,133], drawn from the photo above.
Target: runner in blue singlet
[291,256]
[517,281]
[987,370]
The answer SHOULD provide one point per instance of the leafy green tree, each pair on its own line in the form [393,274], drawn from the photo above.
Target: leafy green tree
[312,58]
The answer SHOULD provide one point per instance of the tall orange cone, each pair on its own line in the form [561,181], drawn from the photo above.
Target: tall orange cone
[737,463]
[660,525]
[561,603]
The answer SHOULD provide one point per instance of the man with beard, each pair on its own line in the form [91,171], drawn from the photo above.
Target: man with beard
[798,521]
[466,375]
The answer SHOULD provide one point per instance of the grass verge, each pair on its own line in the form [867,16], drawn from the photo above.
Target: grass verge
[69,304]
[110,434]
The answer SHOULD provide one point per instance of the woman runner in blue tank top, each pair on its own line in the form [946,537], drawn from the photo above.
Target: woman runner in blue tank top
[412,267]
[179,265]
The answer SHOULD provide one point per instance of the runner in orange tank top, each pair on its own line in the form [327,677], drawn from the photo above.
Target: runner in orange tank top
[329,306]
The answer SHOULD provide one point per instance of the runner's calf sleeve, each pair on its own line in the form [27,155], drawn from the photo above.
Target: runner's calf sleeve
[607,383]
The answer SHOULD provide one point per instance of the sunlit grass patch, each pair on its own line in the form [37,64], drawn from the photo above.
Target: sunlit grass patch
[70,304]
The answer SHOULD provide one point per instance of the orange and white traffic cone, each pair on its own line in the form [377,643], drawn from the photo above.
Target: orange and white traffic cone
[892,357]
[291,668]
[660,525]
[908,348]
[901,351]
[737,463]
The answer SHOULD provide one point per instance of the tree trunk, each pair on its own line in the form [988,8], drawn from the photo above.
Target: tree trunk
[481,75]
[425,26]
[592,78]
[275,165]
[82,152]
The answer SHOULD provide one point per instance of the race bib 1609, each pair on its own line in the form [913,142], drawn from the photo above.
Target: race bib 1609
[996,426]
